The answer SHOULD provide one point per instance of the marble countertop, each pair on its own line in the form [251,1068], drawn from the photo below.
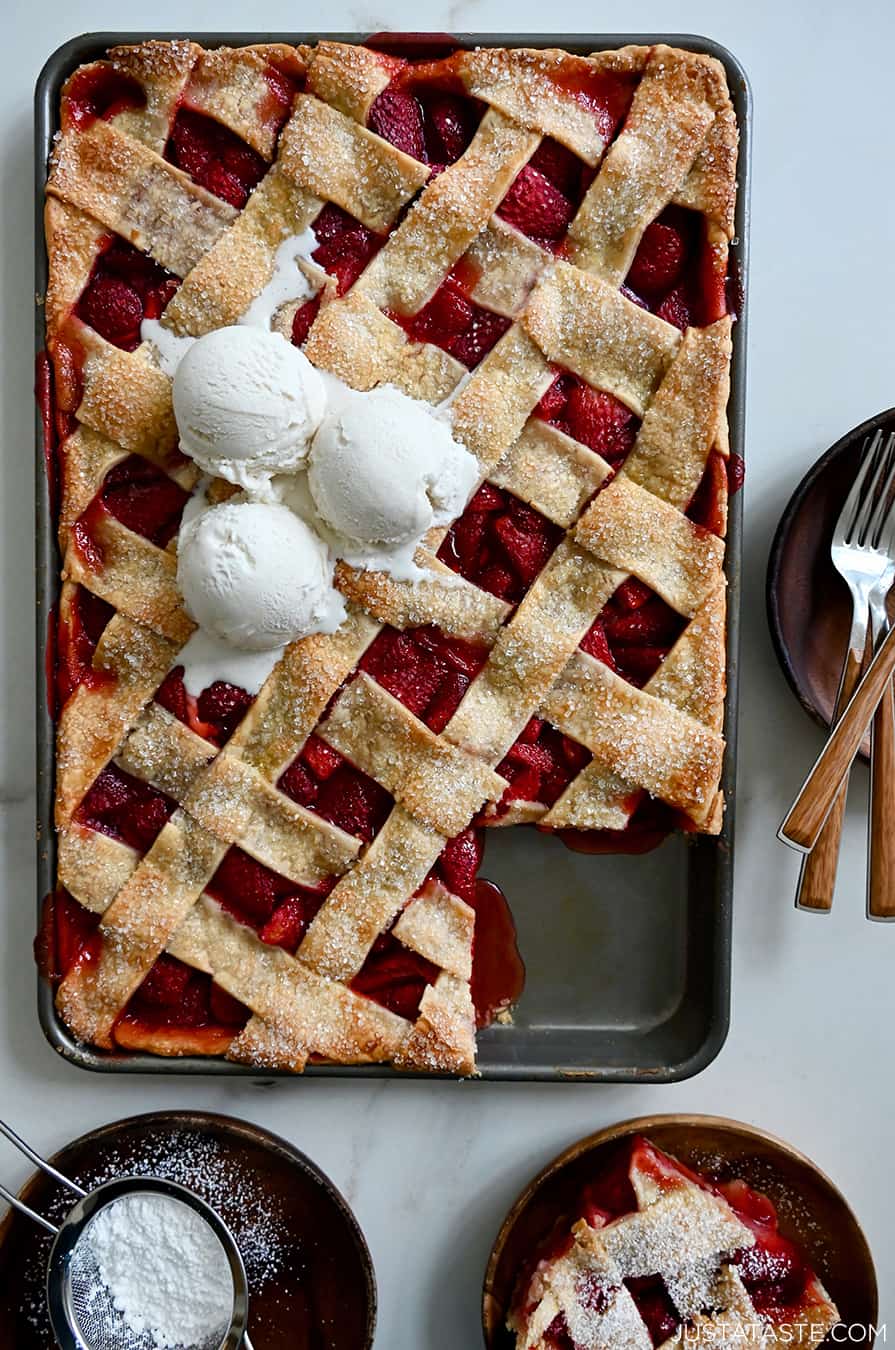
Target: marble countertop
[430,1169]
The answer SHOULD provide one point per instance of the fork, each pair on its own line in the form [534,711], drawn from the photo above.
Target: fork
[881,841]
[865,567]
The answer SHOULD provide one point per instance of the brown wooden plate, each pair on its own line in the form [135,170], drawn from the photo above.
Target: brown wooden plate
[310,1272]
[809,610]
[810,1208]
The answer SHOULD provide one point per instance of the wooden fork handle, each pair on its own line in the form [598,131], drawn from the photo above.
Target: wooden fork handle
[806,817]
[817,880]
[881,871]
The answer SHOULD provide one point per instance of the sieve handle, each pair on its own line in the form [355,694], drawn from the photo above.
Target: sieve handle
[38,1161]
[24,1209]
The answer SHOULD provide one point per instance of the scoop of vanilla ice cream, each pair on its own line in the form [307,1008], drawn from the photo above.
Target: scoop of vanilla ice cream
[383,469]
[256,576]
[247,404]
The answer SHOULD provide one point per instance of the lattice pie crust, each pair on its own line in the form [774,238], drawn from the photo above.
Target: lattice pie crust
[676,145]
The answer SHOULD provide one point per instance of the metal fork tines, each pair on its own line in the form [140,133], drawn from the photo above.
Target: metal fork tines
[863,553]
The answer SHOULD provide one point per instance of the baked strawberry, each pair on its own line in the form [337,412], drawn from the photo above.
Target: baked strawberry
[532,730]
[446,700]
[225,1008]
[453,121]
[144,818]
[397,117]
[302,320]
[214,156]
[524,783]
[655,1307]
[144,499]
[652,624]
[676,309]
[527,550]
[599,421]
[464,656]
[354,802]
[460,861]
[575,755]
[395,977]
[595,644]
[464,541]
[559,165]
[299,784]
[659,261]
[638,664]
[632,594]
[406,670]
[110,791]
[553,404]
[535,756]
[245,885]
[475,343]
[497,580]
[166,983]
[290,921]
[223,705]
[488,498]
[320,758]
[225,185]
[112,308]
[446,315]
[73,929]
[536,206]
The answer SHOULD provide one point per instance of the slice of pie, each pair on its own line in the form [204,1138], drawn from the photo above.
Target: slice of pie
[660,1256]
[538,237]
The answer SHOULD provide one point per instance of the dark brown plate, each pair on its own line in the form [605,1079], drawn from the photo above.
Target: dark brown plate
[310,1273]
[810,1208]
[809,610]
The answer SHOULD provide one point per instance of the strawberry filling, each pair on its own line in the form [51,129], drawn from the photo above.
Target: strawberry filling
[344,246]
[175,996]
[675,274]
[215,714]
[125,287]
[434,125]
[453,321]
[634,632]
[124,808]
[67,936]
[591,416]
[144,499]
[99,92]
[425,670]
[328,785]
[77,636]
[500,543]
[774,1270]
[537,207]
[141,497]
[215,157]
[540,765]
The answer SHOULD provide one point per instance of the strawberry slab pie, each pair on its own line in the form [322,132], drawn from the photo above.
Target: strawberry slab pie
[658,1255]
[386,403]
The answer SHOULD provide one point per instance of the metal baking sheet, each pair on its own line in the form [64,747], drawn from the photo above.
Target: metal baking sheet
[628,958]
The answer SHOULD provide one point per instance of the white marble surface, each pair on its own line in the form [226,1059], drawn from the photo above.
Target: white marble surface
[430,1169]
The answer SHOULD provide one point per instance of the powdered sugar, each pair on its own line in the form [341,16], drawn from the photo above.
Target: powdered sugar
[154,1268]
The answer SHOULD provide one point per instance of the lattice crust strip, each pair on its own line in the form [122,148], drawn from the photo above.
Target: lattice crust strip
[676,145]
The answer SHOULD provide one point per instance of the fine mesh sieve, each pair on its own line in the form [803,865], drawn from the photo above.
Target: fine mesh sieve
[82,1314]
